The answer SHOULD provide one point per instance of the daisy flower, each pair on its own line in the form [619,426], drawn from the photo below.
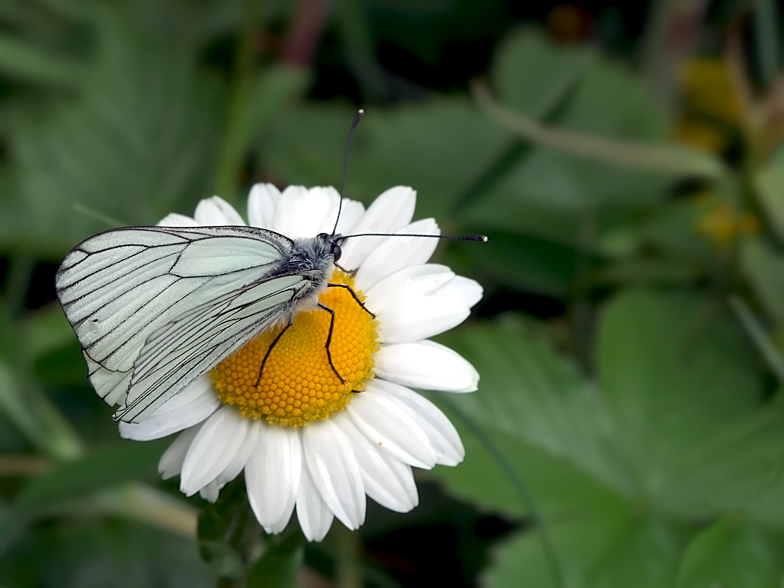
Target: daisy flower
[302,437]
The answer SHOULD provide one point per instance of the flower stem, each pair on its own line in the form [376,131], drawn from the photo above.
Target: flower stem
[347,564]
[670,158]
[522,490]
[233,144]
[758,335]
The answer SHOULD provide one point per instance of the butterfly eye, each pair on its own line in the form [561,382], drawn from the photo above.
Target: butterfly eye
[336,250]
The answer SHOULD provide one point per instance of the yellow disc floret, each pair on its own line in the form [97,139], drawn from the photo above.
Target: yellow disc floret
[298,385]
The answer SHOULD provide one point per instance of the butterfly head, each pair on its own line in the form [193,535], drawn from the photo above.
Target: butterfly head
[334,243]
[318,253]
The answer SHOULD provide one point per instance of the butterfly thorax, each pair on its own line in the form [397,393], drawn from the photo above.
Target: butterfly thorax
[314,259]
[314,256]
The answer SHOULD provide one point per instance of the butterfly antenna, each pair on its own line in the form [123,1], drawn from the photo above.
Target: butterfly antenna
[357,118]
[481,238]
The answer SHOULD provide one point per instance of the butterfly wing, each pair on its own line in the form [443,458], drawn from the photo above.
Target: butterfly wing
[194,342]
[119,287]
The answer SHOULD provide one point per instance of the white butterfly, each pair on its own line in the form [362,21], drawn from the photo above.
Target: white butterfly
[154,308]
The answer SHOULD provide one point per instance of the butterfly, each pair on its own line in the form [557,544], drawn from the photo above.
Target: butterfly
[154,308]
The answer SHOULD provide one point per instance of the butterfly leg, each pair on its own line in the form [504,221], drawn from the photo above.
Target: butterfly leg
[346,271]
[329,341]
[271,347]
[353,295]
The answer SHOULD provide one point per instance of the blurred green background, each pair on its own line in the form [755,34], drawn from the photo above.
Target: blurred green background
[626,161]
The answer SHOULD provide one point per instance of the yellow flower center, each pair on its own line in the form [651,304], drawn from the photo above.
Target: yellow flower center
[298,384]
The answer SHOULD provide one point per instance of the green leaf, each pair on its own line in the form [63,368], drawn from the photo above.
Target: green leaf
[614,549]
[731,553]
[684,411]
[578,543]
[29,409]
[740,461]
[256,101]
[528,263]
[99,469]
[439,148]
[645,555]
[764,268]
[44,331]
[533,75]
[655,270]
[138,142]
[25,62]
[769,182]
[530,392]
[557,488]
[555,194]
[97,552]
[670,229]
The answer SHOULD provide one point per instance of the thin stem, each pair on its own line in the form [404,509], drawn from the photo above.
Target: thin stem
[36,417]
[767,46]
[522,490]
[137,501]
[672,34]
[233,144]
[666,157]
[347,562]
[305,32]
[758,336]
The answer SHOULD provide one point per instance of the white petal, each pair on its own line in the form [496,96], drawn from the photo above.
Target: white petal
[417,280]
[439,429]
[335,472]
[350,215]
[190,407]
[388,426]
[285,221]
[323,219]
[272,475]
[421,301]
[216,211]
[314,515]
[397,253]
[426,365]
[172,459]
[414,320]
[387,480]
[262,202]
[177,220]
[304,213]
[467,290]
[211,491]
[389,212]
[216,444]
[240,459]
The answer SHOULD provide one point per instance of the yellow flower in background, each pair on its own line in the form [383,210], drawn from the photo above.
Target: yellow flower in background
[711,110]
[722,223]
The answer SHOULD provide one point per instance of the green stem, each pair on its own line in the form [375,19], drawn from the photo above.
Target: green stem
[670,158]
[233,144]
[671,37]
[765,19]
[347,563]
[758,336]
